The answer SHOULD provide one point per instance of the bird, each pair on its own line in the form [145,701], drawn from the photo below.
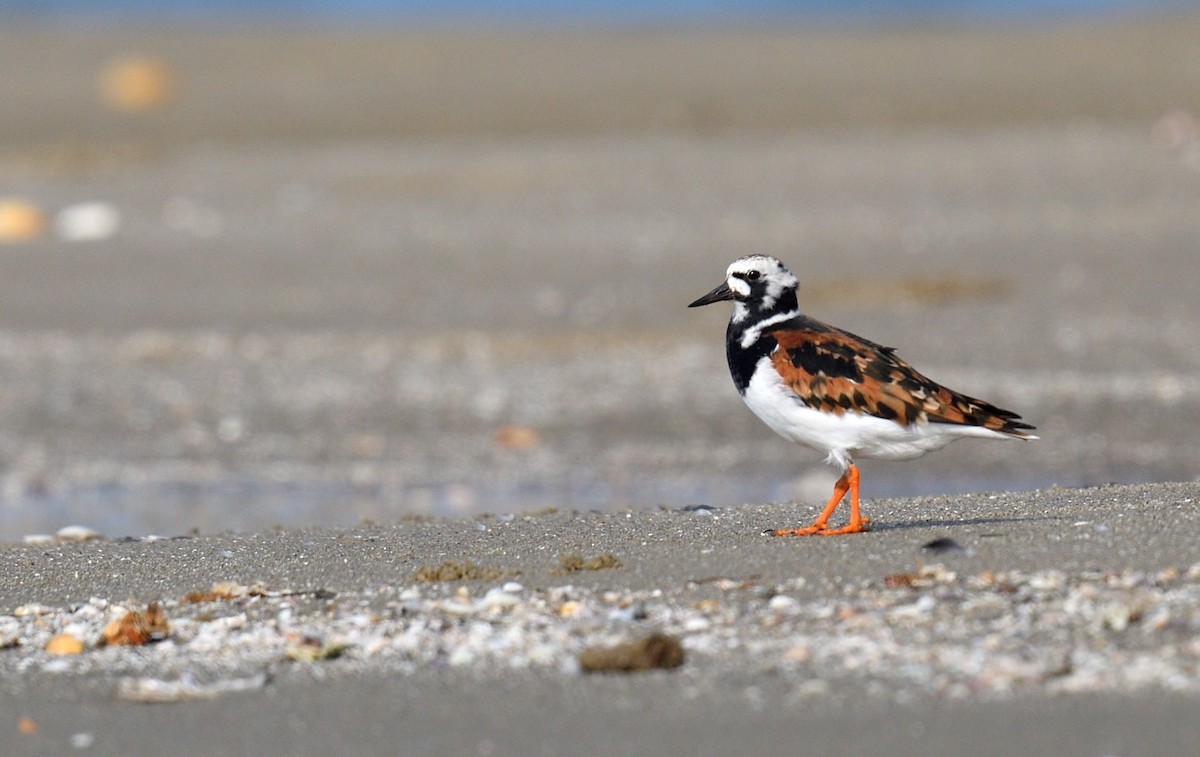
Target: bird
[836,392]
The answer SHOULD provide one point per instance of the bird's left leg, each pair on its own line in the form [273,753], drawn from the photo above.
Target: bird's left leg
[857,523]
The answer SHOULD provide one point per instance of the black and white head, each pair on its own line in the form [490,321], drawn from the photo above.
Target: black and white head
[759,286]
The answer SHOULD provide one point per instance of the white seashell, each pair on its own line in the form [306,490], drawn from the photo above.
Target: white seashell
[76,533]
[87,222]
[498,599]
[782,602]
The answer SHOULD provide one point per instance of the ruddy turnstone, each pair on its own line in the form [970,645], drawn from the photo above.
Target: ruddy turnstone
[838,393]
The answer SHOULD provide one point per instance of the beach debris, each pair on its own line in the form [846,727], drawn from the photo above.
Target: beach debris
[311,649]
[925,575]
[457,571]
[728,583]
[572,609]
[64,644]
[20,220]
[572,562]
[517,437]
[63,535]
[782,602]
[186,688]
[27,726]
[87,222]
[77,533]
[501,598]
[658,650]
[33,609]
[996,633]
[895,580]
[137,627]
[137,84]
[224,591]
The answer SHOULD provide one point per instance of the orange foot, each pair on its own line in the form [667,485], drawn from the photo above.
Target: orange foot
[822,529]
[850,528]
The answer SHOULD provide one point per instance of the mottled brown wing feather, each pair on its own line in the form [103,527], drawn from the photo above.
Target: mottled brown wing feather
[836,371]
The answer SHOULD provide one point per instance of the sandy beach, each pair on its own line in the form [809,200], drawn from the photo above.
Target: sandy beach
[1063,619]
[379,301]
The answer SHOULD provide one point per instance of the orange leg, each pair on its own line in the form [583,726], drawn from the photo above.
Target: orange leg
[848,482]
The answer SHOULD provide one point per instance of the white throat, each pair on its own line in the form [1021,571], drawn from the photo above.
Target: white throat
[752,333]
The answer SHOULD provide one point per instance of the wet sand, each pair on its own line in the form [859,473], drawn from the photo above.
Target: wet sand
[367,275]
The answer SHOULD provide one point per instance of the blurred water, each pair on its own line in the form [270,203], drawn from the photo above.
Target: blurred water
[605,11]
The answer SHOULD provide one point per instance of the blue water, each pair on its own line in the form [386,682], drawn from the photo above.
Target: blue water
[584,11]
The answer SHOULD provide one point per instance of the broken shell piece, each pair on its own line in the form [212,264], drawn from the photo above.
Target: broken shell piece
[137,627]
[76,533]
[311,649]
[64,644]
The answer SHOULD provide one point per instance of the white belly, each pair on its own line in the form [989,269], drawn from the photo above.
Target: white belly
[849,435]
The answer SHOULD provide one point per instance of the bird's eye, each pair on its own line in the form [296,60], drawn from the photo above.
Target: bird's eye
[752,275]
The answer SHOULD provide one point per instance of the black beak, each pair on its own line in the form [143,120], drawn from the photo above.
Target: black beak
[722,292]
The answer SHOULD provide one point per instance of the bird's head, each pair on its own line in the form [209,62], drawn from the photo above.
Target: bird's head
[757,284]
